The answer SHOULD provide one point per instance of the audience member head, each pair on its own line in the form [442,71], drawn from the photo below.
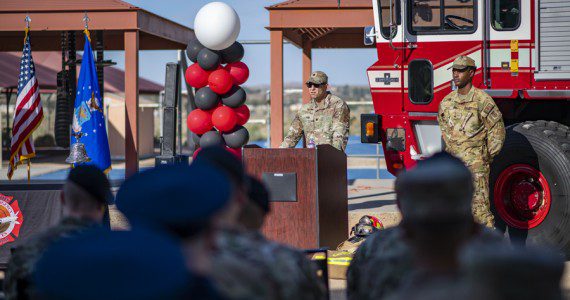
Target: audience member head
[511,273]
[435,202]
[137,264]
[254,211]
[86,193]
[223,160]
[182,200]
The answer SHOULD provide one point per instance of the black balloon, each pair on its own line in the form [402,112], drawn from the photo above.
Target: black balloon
[236,138]
[206,99]
[193,49]
[208,59]
[211,138]
[195,138]
[235,97]
[233,53]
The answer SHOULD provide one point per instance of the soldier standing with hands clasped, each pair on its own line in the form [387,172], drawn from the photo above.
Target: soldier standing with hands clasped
[473,130]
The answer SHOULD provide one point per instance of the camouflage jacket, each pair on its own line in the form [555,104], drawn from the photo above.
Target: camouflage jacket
[384,262]
[248,266]
[472,126]
[18,277]
[378,266]
[325,123]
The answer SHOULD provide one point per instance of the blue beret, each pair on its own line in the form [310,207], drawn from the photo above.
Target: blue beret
[99,264]
[174,197]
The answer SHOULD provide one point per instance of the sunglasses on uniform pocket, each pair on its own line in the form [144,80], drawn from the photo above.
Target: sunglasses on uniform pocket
[309,85]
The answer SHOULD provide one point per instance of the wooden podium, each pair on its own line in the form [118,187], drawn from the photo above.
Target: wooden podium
[309,207]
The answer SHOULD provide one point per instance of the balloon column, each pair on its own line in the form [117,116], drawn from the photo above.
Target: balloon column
[217,74]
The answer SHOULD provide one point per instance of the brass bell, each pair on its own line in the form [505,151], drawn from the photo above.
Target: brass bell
[77,154]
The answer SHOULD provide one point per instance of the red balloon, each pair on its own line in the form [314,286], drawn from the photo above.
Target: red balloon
[224,118]
[199,121]
[236,152]
[242,113]
[220,81]
[196,76]
[239,72]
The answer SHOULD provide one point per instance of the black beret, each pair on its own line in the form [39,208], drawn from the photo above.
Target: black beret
[224,160]
[93,181]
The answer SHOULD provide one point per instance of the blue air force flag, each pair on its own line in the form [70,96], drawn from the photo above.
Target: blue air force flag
[88,117]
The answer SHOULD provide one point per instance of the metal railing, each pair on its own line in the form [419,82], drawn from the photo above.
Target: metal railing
[378,156]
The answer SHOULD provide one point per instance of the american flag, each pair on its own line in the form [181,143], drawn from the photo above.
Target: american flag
[28,113]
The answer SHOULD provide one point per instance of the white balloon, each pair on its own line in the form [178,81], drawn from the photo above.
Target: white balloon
[217,25]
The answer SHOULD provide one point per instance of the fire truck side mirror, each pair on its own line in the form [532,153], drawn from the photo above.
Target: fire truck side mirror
[369,128]
[369,35]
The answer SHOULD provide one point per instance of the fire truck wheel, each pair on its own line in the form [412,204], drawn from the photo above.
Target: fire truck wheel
[530,184]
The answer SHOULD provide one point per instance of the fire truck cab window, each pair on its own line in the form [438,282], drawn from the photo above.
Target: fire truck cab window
[442,16]
[420,81]
[384,8]
[506,14]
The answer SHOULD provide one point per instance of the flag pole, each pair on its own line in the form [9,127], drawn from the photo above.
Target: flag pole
[29,165]
[28,20]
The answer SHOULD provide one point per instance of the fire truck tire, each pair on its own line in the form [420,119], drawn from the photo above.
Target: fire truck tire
[535,163]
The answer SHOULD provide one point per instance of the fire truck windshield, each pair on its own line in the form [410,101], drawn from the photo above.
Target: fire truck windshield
[441,16]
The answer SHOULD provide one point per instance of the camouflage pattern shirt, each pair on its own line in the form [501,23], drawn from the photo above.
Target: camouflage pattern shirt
[472,128]
[248,266]
[18,277]
[326,122]
[384,262]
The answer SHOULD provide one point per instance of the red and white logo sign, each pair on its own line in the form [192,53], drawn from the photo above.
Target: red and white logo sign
[11,219]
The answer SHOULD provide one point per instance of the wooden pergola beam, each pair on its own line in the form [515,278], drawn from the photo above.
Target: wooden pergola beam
[276,88]
[156,33]
[131,102]
[334,18]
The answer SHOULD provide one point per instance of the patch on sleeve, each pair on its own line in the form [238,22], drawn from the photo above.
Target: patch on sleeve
[487,109]
[494,116]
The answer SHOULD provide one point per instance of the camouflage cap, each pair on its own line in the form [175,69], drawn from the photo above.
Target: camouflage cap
[318,77]
[437,189]
[463,62]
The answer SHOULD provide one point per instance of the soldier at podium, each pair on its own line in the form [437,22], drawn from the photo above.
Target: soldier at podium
[323,120]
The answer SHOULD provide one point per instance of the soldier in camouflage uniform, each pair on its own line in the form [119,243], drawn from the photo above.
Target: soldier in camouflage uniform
[385,261]
[85,197]
[324,120]
[250,266]
[473,130]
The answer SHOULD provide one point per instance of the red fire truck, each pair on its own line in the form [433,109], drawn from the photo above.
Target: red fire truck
[522,52]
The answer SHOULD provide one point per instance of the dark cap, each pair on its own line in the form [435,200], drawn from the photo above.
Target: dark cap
[258,193]
[513,272]
[176,197]
[93,181]
[113,265]
[438,187]
[222,159]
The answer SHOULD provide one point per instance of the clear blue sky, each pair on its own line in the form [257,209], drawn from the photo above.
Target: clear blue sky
[344,66]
